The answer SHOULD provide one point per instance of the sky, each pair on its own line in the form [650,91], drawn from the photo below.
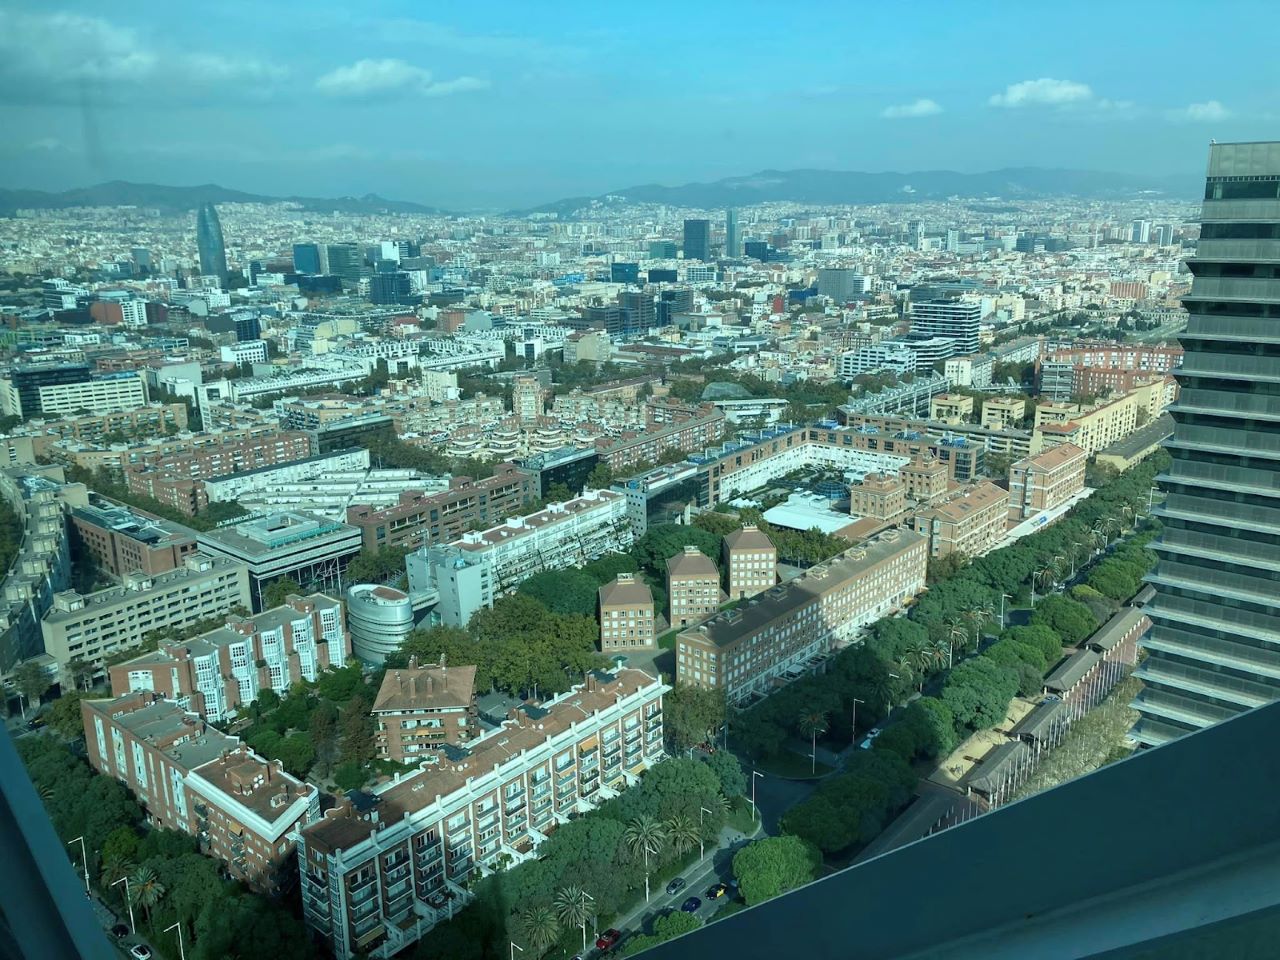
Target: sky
[498,104]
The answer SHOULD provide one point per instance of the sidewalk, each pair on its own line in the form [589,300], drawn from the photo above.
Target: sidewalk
[698,876]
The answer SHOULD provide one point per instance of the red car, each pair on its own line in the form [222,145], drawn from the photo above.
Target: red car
[608,940]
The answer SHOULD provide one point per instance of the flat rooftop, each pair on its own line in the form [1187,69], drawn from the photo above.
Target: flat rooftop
[276,533]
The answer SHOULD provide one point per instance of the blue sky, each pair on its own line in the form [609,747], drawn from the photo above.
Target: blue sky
[498,103]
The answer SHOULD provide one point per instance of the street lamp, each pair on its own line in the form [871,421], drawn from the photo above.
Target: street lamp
[754,812]
[133,927]
[182,951]
[84,860]
[853,721]
[702,847]
[587,896]
[514,947]
[1003,598]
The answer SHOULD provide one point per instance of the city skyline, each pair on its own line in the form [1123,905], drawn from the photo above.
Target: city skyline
[518,100]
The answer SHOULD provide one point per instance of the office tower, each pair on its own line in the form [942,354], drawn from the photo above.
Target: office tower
[213,252]
[638,313]
[387,288]
[662,250]
[141,258]
[624,272]
[697,240]
[1140,231]
[306,257]
[408,249]
[345,261]
[248,327]
[956,320]
[842,283]
[953,241]
[731,233]
[1215,616]
[757,250]
[663,276]
[1164,235]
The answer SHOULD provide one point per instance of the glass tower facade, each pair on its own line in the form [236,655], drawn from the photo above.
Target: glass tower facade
[213,252]
[697,240]
[732,246]
[1214,647]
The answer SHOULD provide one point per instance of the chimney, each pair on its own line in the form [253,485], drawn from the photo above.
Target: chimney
[413,662]
[413,686]
[430,685]
[591,682]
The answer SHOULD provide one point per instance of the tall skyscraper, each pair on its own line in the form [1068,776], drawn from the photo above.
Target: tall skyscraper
[731,243]
[306,257]
[1140,231]
[956,320]
[213,252]
[346,260]
[1213,647]
[697,240]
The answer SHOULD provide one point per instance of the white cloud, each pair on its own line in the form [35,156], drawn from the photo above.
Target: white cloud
[366,78]
[1210,111]
[920,108]
[58,57]
[1046,90]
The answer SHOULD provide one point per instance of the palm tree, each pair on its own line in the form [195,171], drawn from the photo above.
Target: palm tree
[540,927]
[572,909]
[907,669]
[645,835]
[115,868]
[682,834]
[814,723]
[881,691]
[920,659]
[938,652]
[146,889]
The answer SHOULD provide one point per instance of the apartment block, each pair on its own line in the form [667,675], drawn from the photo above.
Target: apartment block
[685,436]
[881,496]
[109,393]
[741,651]
[422,519]
[1001,413]
[121,540]
[1096,426]
[563,535]
[1045,481]
[90,626]
[751,562]
[626,614]
[91,453]
[242,810]
[420,708]
[216,673]
[926,479]
[971,523]
[376,876]
[149,420]
[951,408]
[693,587]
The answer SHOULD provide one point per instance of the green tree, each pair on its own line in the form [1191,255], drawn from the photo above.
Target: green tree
[979,692]
[80,672]
[572,906]
[682,834]
[359,744]
[278,592]
[146,890]
[323,727]
[692,715]
[728,770]
[32,682]
[812,723]
[645,837]
[540,927]
[65,717]
[770,867]
[1069,618]
[563,591]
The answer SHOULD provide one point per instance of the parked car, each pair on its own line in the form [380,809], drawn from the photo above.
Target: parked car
[140,951]
[870,738]
[609,939]
[716,891]
[691,905]
[35,723]
[119,931]
[675,886]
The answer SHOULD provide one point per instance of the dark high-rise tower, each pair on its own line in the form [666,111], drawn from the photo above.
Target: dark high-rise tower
[1214,647]
[213,252]
[732,245]
[697,240]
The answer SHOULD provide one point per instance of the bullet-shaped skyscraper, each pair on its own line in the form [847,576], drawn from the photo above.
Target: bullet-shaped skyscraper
[1214,646]
[213,252]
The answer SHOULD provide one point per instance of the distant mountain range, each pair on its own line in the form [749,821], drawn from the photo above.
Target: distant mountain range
[850,187]
[119,193]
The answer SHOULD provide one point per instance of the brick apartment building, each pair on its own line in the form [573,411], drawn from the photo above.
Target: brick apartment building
[422,519]
[418,709]
[881,496]
[751,562]
[627,618]
[1046,480]
[121,540]
[216,673]
[688,435]
[693,587]
[970,523]
[241,809]
[376,877]
[741,651]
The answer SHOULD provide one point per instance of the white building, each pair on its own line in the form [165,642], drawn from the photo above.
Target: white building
[245,351]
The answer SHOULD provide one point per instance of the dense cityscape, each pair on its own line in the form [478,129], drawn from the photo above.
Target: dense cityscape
[575,581]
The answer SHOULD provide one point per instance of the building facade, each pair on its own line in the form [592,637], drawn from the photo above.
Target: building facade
[971,523]
[420,708]
[881,496]
[122,540]
[693,587]
[626,614]
[1045,481]
[374,880]
[380,619]
[741,651]
[750,561]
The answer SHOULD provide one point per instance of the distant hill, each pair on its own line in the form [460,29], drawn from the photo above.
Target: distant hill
[119,193]
[841,187]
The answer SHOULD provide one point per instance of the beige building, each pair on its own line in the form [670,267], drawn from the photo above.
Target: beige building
[751,560]
[743,650]
[1000,413]
[880,496]
[418,709]
[971,523]
[951,408]
[626,614]
[926,479]
[1046,480]
[90,626]
[1097,426]
[693,587]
